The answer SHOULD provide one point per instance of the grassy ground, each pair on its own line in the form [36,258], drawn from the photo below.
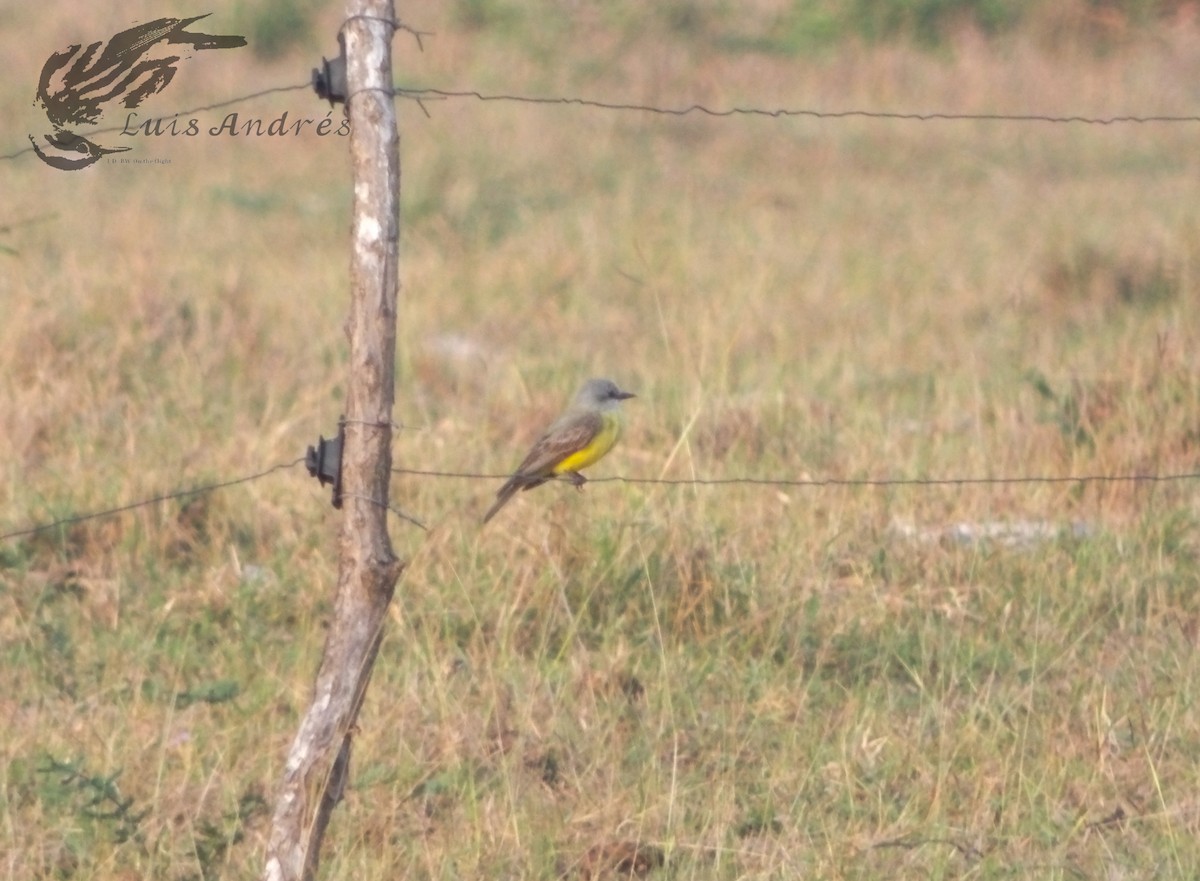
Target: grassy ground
[750,681]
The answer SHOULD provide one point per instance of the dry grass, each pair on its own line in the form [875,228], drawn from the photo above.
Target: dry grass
[737,682]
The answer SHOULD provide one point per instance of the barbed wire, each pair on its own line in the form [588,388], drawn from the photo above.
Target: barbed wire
[799,482]
[419,93]
[403,515]
[422,94]
[165,497]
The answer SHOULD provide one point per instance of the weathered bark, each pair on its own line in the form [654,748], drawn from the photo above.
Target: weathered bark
[318,763]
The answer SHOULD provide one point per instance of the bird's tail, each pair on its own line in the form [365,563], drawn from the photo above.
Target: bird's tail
[506,492]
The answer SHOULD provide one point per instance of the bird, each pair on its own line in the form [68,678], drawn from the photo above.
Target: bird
[580,437]
[76,86]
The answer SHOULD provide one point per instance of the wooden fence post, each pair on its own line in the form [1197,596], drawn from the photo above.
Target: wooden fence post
[318,764]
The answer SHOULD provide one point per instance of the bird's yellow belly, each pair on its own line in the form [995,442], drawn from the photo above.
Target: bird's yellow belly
[600,445]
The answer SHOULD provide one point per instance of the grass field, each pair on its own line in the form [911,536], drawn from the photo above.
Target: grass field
[748,681]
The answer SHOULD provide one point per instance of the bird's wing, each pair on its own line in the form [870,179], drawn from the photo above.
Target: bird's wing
[569,435]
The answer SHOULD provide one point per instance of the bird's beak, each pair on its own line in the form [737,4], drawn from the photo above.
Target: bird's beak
[621,396]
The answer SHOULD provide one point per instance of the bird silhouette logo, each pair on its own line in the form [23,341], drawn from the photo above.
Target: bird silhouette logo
[79,84]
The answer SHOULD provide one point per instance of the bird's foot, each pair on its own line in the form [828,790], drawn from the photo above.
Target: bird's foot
[577,480]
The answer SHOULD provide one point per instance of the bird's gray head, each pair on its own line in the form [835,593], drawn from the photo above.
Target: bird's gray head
[601,393]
